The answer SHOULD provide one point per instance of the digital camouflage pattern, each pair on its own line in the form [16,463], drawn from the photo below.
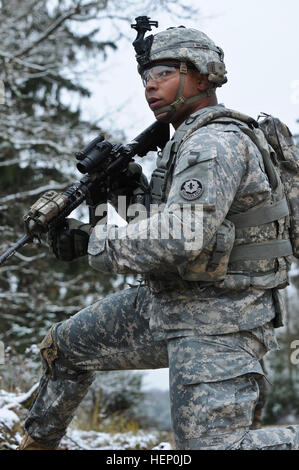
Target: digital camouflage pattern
[205,373]
[235,271]
[190,45]
[281,140]
[112,334]
[214,156]
[212,338]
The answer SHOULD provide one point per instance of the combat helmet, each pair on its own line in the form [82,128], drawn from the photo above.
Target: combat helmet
[187,45]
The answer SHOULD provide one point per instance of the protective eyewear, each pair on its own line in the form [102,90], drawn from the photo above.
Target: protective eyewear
[159,73]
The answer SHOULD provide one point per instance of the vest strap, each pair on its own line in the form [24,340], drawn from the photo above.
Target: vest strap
[157,183]
[163,161]
[260,251]
[263,215]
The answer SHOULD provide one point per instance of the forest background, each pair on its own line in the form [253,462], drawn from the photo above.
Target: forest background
[68,73]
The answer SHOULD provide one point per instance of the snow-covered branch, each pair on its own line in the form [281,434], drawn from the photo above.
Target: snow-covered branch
[33,192]
[30,259]
[49,31]
[29,143]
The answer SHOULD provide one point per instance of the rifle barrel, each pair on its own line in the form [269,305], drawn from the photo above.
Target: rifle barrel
[11,251]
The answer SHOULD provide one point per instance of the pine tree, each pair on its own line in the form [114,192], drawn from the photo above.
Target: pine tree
[38,137]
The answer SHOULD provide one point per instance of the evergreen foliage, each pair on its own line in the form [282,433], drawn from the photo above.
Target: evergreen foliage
[39,134]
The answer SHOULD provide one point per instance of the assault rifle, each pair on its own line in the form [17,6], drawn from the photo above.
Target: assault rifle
[100,162]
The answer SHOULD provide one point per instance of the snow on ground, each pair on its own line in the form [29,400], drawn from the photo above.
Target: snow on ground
[12,414]
[93,440]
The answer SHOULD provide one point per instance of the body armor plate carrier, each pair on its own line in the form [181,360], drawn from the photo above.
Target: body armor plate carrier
[225,262]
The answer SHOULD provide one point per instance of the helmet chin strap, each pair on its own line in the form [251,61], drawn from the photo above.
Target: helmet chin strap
[180,100]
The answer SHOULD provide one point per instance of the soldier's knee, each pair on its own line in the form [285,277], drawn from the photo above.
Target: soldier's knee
[58,363]
[54,360]
[49,351]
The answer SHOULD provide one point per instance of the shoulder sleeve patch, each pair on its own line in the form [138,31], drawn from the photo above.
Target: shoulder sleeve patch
[194,157]
[193,177]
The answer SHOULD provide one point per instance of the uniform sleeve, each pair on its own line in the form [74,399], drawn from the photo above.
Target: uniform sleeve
[206,176]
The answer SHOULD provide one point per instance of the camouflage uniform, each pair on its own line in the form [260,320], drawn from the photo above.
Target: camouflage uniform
[211,336]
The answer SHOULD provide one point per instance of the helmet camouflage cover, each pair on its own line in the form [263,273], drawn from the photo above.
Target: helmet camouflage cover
[186,45]
[189,45]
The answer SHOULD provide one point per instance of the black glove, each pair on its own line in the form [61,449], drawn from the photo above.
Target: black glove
[126,182]
[132,183]
[71,241]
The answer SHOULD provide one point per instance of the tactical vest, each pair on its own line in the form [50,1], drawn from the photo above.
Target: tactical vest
[231,260]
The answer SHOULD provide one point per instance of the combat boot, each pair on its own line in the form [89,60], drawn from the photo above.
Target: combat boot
[30,444]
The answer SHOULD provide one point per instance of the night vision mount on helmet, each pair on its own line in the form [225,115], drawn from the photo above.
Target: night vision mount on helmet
[143,45]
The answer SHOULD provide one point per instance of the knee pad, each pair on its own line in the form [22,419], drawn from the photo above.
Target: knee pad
[49,351]
[55,363]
